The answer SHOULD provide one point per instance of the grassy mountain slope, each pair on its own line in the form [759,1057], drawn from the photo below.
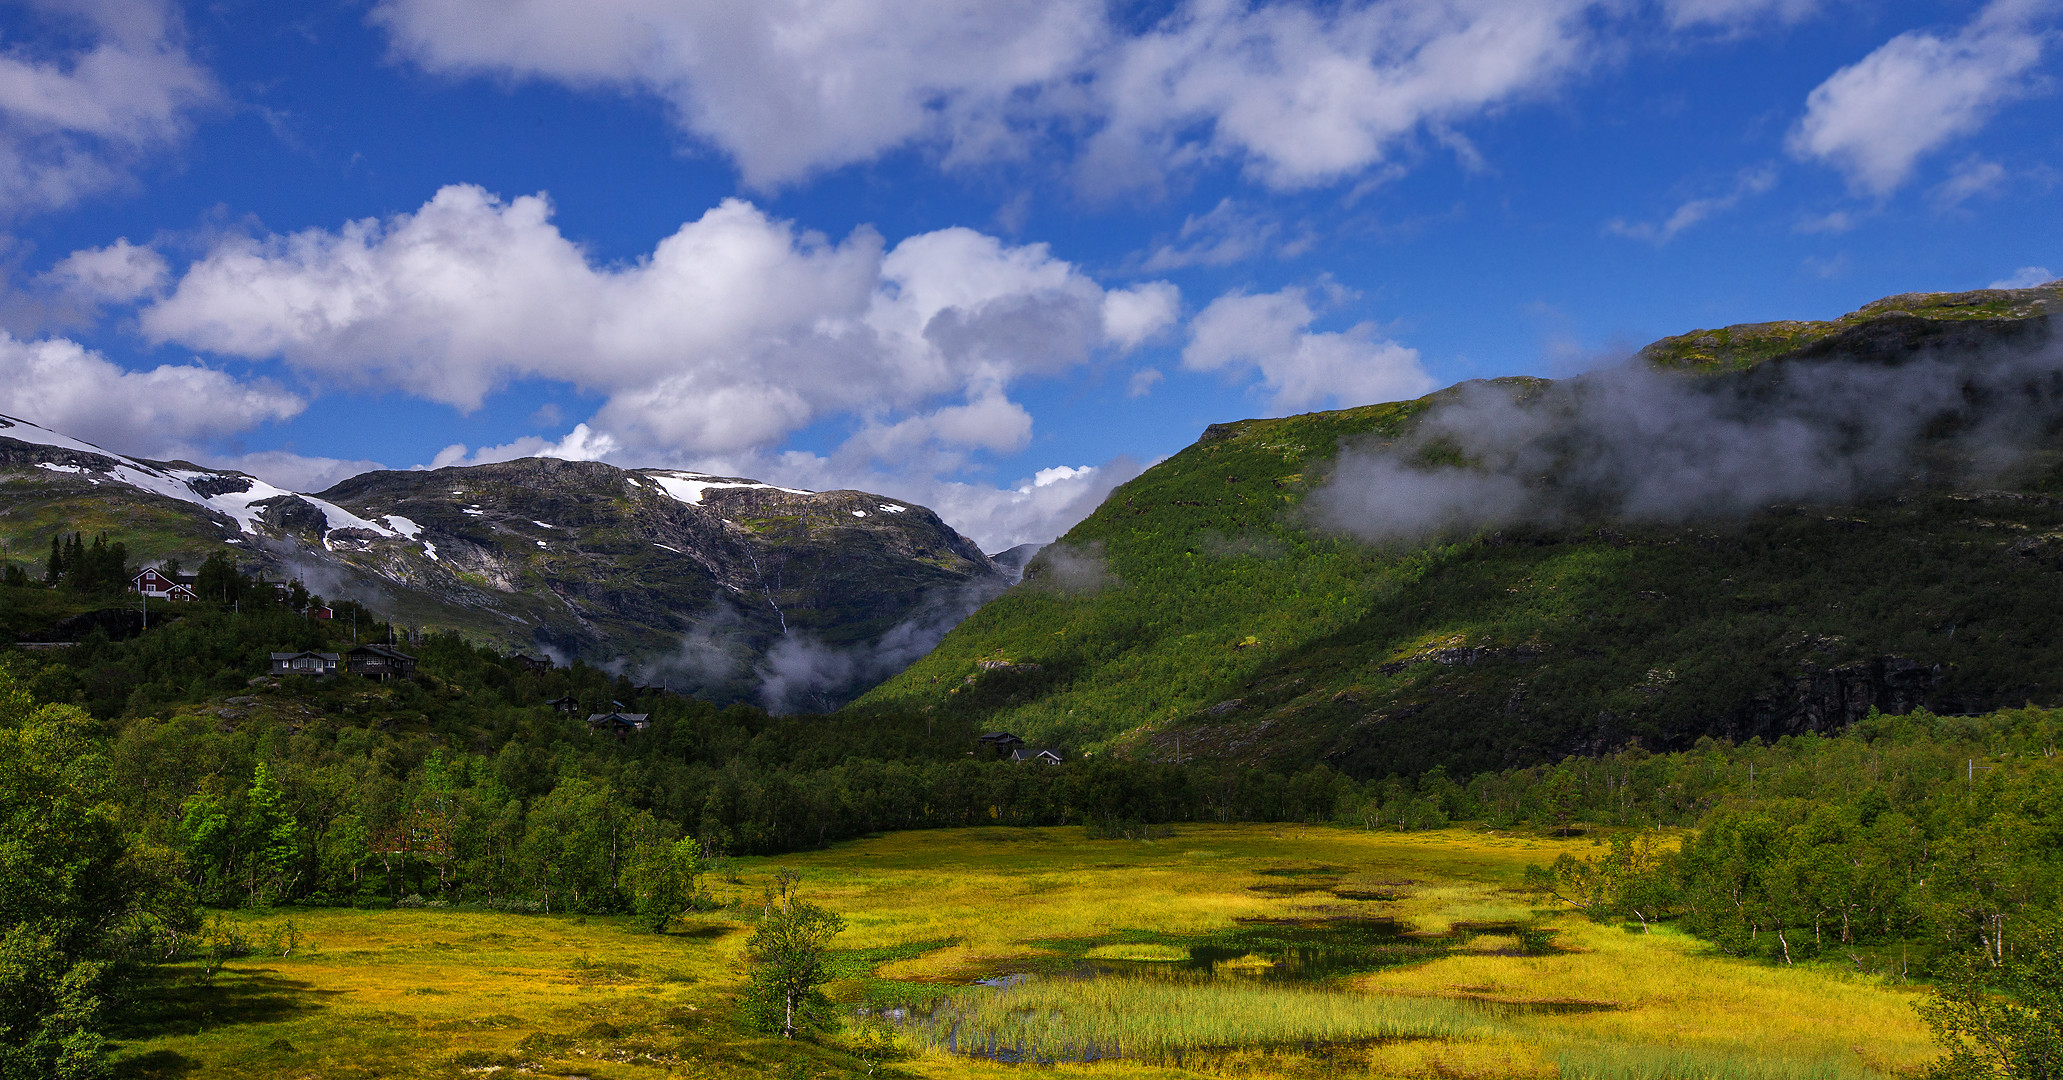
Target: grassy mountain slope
[1198,612]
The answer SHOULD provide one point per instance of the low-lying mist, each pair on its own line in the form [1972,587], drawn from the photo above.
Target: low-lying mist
[1633,443]
[803,674]
[799,672]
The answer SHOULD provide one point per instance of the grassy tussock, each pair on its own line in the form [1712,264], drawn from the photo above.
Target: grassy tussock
[1156,1020]
[1650,1063]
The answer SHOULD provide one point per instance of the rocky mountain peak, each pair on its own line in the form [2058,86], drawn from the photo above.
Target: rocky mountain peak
[724,586]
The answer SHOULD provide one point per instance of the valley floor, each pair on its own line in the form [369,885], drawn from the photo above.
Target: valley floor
[1471,980]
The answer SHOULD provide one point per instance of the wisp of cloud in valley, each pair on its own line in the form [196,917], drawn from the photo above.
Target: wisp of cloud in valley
[1636,442]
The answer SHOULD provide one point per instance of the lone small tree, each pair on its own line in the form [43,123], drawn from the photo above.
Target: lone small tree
[788,969]
[662,879]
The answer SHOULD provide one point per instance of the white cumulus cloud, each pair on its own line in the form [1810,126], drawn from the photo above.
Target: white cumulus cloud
[1269,333]
[1301,93]
[163,412]
[87,90]
[786,87]
[294,472]
[1306,95]
[733,332]
[1972,177]
[1227,234]
[118,273]
[1920,91]
[2027,277]
[581,444]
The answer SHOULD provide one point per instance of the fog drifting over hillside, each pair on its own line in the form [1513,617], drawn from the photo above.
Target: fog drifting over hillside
[1632,443]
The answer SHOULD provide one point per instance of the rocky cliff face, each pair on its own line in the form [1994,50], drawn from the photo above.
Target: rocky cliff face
[720,586]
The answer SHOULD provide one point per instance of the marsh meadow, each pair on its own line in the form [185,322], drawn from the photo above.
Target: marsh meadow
[1213,950]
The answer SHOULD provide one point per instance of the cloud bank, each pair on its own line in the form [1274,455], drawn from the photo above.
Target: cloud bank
[734,332]
[1297,94]
[1629,443]
[708,352]
[167,411]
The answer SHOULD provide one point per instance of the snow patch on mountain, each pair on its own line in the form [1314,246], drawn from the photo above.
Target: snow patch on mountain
[407,529]
[238,506]
[688,487]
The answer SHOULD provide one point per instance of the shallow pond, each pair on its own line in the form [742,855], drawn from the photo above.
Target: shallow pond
[1039,1010]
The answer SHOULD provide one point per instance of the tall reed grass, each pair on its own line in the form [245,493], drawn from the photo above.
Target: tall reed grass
[1659,1063]
[1067,1019]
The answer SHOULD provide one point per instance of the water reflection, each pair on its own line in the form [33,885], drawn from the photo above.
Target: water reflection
[1289,950]
[1293,951]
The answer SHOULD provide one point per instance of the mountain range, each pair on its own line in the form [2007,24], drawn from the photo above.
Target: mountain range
[718,586]
[1756,531]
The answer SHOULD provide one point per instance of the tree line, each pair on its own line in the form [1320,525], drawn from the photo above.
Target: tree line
[462,785]
[81,567]
[1913,845]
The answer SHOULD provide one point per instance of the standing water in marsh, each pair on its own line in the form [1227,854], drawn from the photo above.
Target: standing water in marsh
[1261,983]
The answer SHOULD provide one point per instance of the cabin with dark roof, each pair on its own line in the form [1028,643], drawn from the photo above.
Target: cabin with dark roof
[532,663]
[304,663]
[567,704]
[999,745]
[379,662]
[619,724]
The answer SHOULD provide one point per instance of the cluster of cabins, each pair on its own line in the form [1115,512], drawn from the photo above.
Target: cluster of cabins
[1003,746]
[618,723]
[387,662]
[371,661]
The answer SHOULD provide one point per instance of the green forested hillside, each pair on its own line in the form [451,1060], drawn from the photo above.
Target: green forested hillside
[1204,611]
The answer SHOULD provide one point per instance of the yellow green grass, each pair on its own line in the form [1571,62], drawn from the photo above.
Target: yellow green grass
[1157,1020]
[1139,951]
[444,993]
[434,993]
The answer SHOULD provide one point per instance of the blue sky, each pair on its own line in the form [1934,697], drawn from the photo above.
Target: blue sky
[988,255]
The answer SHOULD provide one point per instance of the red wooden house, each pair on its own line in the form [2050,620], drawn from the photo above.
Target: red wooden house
[158,585]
